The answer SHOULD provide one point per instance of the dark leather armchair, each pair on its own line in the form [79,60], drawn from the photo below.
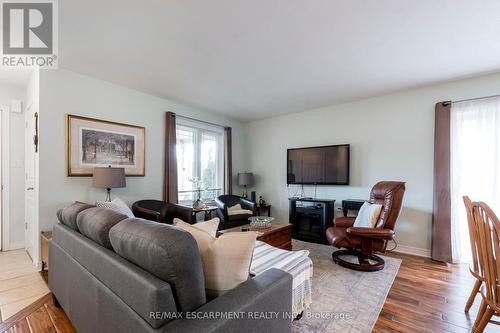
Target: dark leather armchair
[363,242]
[227,220]
[161,211]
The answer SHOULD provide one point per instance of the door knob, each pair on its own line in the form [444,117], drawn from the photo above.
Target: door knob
[30,189]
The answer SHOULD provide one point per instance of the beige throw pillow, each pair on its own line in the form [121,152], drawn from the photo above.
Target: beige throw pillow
[368,215]
[238,210]
[235,207]
[231,250]
[209,227]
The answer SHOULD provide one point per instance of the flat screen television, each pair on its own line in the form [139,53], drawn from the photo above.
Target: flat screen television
[326,165]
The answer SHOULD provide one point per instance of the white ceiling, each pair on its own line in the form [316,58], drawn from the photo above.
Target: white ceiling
[259,58]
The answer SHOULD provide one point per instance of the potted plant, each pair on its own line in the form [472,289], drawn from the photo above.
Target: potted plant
[198,185]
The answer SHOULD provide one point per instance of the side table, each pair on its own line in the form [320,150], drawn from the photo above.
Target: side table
[351,204]
[263,209]
[209,210]
[46,236]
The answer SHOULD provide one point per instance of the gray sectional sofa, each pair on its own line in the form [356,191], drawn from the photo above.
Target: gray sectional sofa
[111,273]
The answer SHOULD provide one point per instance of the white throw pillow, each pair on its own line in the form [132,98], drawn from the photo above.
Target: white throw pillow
[209,227]
[232,249]
[235,207]
[117,205]
[368,215]
[238,210]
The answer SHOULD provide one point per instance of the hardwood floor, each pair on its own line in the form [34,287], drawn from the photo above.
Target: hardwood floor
[20,283]
[429,296]
[41,316]
[426,297]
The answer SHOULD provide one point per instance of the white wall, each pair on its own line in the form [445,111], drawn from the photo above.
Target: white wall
[63,92]
[391,137]
[16,168]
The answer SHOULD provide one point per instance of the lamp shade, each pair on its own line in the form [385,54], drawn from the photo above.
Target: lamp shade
[109,177]
[245,179]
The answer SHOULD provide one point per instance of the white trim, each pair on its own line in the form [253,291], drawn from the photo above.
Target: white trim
[15,246]
[416,251]
[35,104]
[181,121]
[38,265]
[5,156]
[198,129]
[1,189]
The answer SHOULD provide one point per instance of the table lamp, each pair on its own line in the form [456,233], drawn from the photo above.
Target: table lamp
[245,179]
[109,178]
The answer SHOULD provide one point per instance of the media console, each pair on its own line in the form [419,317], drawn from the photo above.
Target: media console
[310,218]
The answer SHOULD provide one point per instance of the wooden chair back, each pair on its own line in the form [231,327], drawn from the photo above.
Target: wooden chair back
[489,250]
[473,234]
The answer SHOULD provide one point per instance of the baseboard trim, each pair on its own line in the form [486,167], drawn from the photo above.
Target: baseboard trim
[416,251]
[15,246]
[38,265]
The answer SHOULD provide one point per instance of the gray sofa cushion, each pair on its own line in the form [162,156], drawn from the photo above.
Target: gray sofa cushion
[96,222]
[70,252]
[68,215]
[167,252]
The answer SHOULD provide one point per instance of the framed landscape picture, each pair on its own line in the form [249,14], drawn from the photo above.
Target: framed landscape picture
[99,143]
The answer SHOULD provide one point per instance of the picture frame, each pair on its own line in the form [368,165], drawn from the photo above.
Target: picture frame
[94,143]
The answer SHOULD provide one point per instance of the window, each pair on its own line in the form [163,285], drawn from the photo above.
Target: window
[200,161]
[475,164]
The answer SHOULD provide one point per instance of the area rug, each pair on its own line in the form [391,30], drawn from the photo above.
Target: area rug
[343,300]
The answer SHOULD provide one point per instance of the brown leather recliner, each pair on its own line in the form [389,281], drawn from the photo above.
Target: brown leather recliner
[363,242]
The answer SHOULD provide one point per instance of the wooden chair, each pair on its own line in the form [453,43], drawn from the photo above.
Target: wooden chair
[489,260]
[475,269]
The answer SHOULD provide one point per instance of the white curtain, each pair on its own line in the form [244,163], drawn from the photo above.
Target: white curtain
[475,165]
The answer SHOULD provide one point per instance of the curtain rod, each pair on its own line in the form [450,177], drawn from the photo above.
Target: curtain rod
[201,121]
[474,99]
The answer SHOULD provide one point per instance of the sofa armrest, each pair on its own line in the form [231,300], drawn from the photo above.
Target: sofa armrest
[248,204]
[145,213]
[269,293]
[386,234]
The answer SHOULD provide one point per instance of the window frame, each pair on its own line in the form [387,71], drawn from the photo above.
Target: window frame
[199,128]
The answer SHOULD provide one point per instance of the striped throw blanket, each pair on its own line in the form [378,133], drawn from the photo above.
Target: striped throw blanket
[297,263]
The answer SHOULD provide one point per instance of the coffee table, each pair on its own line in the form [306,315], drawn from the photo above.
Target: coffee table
[278,234]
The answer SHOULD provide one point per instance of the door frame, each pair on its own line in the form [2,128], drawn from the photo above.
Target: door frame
[34,238]
[32,101]
[5,173]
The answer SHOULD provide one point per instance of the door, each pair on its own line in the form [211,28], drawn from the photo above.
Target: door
[1,182]
[30,124]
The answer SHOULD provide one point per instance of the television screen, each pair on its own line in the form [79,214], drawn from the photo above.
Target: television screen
[328,165]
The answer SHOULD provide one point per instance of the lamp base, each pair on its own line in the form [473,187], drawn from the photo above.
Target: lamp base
[108,196]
